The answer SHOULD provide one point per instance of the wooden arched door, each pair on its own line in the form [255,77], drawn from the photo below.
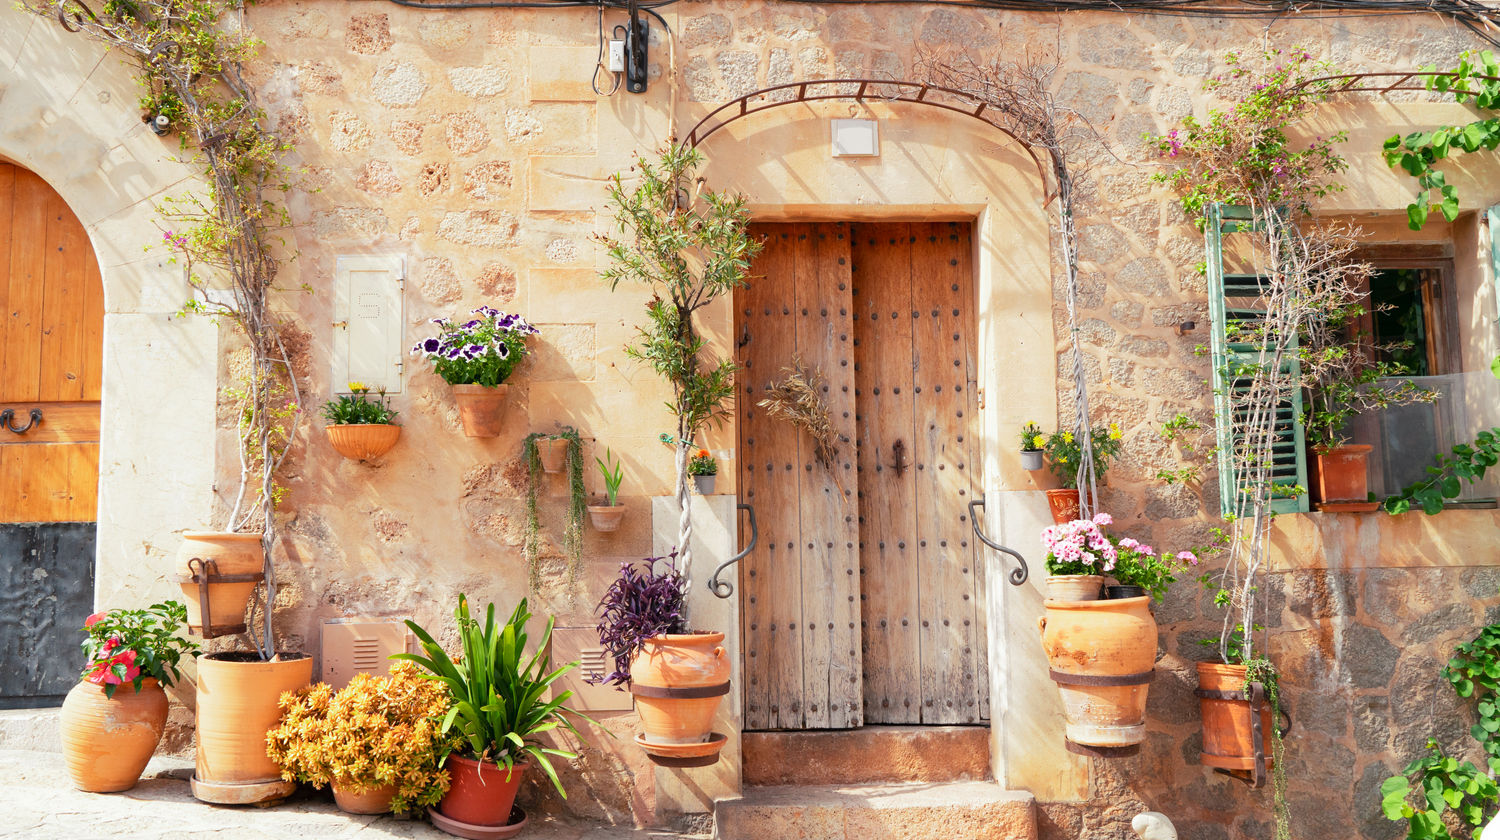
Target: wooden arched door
[51,354]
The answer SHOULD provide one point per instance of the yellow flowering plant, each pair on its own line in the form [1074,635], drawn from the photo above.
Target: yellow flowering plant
[375,731]
[1032,439]
[1064,452]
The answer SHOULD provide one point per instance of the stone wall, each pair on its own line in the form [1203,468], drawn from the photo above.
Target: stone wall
[472,144]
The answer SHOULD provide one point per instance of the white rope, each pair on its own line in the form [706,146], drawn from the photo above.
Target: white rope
[1088,492]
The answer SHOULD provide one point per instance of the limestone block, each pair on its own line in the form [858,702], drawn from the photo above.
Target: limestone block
[565,352]
[479,82]
[15,28]
[560,74]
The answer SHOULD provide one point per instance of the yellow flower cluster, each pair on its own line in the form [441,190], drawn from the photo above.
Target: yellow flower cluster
[375,731]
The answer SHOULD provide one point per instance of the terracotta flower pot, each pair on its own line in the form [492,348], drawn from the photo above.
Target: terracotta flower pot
[482,793]
[606,518]
[1102,655]
[237,706]
[1228,739]
[376,800]
[480,408]
[678,682]
[108,741]
[1343,474]
[363,441]
[1074,587]
[705,484]
[1064,504]
[554,453]
[214,556]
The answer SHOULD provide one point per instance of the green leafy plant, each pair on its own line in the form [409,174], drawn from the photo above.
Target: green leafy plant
[1193,441]
[703,463]
[1032,438]
[357,408]
[531,543]
[1465,463]
[481,351]
[1065,451]
[500,694]
[129,646]
[1474,672]
[374,731]
[1443,785]
[613,475]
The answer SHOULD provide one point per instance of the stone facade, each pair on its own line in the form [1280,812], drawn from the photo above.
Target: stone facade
[472,144]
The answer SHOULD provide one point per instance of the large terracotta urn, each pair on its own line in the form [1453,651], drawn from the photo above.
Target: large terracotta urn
[1102,656]
[237,706]
[107,741]
[678,681]
[224,567]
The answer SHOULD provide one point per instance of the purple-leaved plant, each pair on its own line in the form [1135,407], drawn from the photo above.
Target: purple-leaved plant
[641,603]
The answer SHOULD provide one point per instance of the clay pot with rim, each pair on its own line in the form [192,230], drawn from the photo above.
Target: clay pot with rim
[1064,504]
[1228,740]
[375,800]
[1102,655]
[218,555]
[107,741]
[553,453]
[1343,473]
[480,408]
[237,706]
[1031,459]
[363,441]
[705,484]
[1074,587]
[606,518]
[678,681]
[482,793]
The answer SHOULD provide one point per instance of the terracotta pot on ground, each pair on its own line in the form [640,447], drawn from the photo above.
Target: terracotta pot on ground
[705,484]
[108,741]
[363,441]
[678,681]
[482,793]
[606,518]
[215,555]
[376,800]
[480,408]
[554,453]
[1064,504]
[1102,655]
[1343,474]
[237,705]
[1228,740]
[1074,587]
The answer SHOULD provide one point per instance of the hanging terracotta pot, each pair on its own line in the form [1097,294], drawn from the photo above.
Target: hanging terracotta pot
[1343,475]
[1064,504]
[1102,655]
[363,441]
[705,484]
[1230,740]
[218,572]
[376,800]
[237,706]
[481,793]
[606,518]
[480,408]
[107,741]
[554,453]
[678,681]
[1074,587]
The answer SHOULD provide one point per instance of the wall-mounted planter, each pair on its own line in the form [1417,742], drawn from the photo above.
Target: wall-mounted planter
[606,518]
[1236,722]
[237,706]
[1064,505]
[553,453]
[107,741]
[705,484]
[218,572]
[480,408]
[363,441]
[1031,459]
[1102,656]
[678,681]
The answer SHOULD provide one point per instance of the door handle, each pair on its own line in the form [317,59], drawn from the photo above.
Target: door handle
[1019,574]
[8,416]
[723,588]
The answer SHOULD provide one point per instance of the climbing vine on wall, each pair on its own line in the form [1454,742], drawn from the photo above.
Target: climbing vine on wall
[189,56]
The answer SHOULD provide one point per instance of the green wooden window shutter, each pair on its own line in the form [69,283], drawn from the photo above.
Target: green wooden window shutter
[1232,298]
[1492,216]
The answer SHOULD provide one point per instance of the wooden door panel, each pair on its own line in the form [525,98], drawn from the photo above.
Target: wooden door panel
[889,580]
[65,283]
[20,378]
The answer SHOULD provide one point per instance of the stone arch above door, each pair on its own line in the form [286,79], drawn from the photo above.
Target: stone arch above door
[68,113]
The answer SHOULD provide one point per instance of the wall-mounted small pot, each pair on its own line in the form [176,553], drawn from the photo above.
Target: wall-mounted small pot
[218,572]
[363,441]
[1064,505]
[606,518]
[554,453]
[705,484]
[1031,459]
[480,408]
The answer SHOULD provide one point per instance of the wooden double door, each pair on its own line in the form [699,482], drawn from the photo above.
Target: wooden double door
[863,603]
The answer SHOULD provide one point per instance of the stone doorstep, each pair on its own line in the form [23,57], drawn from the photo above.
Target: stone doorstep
[868,755]
[910,811]
[39,730]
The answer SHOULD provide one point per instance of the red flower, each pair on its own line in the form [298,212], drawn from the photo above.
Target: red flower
[103,673]
[93,619]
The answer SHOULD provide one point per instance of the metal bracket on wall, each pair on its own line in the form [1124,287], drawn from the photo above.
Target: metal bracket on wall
[8,416]
[1019,574]
[723,588]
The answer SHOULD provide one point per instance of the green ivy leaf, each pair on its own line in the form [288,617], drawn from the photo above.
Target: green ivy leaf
[1416,214]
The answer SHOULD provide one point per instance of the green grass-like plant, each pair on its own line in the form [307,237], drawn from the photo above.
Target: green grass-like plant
[613,476]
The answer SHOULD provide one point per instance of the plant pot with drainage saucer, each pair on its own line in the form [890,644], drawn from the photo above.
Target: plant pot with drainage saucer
[358,428]
[678,676]
[501,707]
[476,358]
[606,516]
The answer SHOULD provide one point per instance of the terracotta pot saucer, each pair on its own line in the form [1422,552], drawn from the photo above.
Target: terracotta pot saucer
[702,754]
[518,820]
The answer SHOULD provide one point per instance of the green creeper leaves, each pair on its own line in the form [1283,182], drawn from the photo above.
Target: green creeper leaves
[1417,152]
[1464,463]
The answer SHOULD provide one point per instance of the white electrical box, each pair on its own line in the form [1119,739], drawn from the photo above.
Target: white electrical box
[353,646]
[856,138]
[582,644]
[368,343]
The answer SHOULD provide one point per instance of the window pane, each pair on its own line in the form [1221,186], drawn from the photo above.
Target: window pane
[1398,316]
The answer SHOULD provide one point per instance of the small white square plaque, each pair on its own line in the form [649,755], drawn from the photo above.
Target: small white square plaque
[855,138]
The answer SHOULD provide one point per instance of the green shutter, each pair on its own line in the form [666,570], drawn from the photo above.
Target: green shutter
[1231,298]
[1492,216]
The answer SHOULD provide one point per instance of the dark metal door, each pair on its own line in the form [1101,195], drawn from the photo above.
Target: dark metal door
[46,592]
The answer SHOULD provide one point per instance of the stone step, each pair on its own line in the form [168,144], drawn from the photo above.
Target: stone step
[869,755]
[31,729]
[910,811]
